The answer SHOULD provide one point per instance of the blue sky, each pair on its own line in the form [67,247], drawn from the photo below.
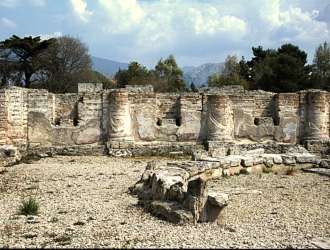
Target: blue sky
[196,32]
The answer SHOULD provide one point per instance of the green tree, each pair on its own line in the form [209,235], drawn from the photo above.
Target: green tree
[169,76]
[231,74]
[193,87]
[321,67]
[281,70]
[25,54]
[135,74]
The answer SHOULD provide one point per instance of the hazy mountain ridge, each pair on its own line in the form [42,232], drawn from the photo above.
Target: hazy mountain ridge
[196,74]
[107,67]
[199,74]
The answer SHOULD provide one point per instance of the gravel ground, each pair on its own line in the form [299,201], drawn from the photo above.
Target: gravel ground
[84,203]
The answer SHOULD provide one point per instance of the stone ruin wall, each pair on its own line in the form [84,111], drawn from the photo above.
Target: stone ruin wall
[31,119]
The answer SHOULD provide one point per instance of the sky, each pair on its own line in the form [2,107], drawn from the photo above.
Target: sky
[194,31]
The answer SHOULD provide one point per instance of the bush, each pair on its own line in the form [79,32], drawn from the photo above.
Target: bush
[291,171]
[29,207]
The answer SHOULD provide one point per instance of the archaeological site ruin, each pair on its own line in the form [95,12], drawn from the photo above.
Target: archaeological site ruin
[226,132]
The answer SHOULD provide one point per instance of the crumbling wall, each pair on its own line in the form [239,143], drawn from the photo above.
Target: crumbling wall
[191,118]
[41,113]
[135,117]
[146,118]
[3,117]
[17,104]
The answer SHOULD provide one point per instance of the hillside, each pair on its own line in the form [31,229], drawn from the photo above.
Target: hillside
[106,66]
[199,74]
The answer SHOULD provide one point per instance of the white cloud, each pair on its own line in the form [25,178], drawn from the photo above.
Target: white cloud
[201,30]
[7,23]
[79,8]
[122,15]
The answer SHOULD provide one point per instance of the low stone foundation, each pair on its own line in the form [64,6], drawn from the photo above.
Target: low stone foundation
[127,149]
[68,150]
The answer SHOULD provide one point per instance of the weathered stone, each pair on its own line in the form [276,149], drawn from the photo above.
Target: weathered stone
[257,151]
[170,211]
[306,158]
[247,161]
[289,159]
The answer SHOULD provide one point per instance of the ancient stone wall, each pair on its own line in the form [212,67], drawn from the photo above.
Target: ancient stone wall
[16,100]
[137,117]
[3,117]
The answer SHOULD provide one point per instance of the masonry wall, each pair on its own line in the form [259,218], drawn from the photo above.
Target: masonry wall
[3,117]
[36,118]
[16,112]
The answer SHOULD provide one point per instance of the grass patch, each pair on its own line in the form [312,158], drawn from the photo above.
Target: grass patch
[29,207]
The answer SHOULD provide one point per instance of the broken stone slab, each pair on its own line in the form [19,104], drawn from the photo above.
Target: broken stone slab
[247,161]
[213,207]
[169,194]
[235,160]
[322,243]
[289,159]
[320,171]
[9,155]
[325,163]
[307,158]
[196,167]
[257,151]
[170,211]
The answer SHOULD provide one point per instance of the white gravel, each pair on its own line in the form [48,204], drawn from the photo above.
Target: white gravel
[272,211]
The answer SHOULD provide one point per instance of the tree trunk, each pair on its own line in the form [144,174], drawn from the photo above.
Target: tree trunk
[27,79]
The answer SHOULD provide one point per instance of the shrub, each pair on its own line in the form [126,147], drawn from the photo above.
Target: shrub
[291,171]
[29,207]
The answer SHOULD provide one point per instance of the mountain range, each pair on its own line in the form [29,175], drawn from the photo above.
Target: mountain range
[191,74]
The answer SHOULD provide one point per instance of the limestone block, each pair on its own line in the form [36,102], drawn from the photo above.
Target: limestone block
[247,161]
[171,211]
[257,151]
[307,158]
[214,204]
[289,159]
[88,136]
[258,160]
[235,160]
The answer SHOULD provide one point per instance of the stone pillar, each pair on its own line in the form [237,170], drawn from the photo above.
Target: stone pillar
[119,116]
[317,116]
[220,121]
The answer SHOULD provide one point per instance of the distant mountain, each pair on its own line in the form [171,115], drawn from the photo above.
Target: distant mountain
[196,74]
[106,66]
[199,75]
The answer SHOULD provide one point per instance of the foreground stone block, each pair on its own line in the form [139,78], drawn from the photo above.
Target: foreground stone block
[170,194]
[9,155]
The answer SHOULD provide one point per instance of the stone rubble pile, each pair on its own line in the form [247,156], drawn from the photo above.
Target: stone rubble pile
[169,193]
[178,192]
[9,155]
